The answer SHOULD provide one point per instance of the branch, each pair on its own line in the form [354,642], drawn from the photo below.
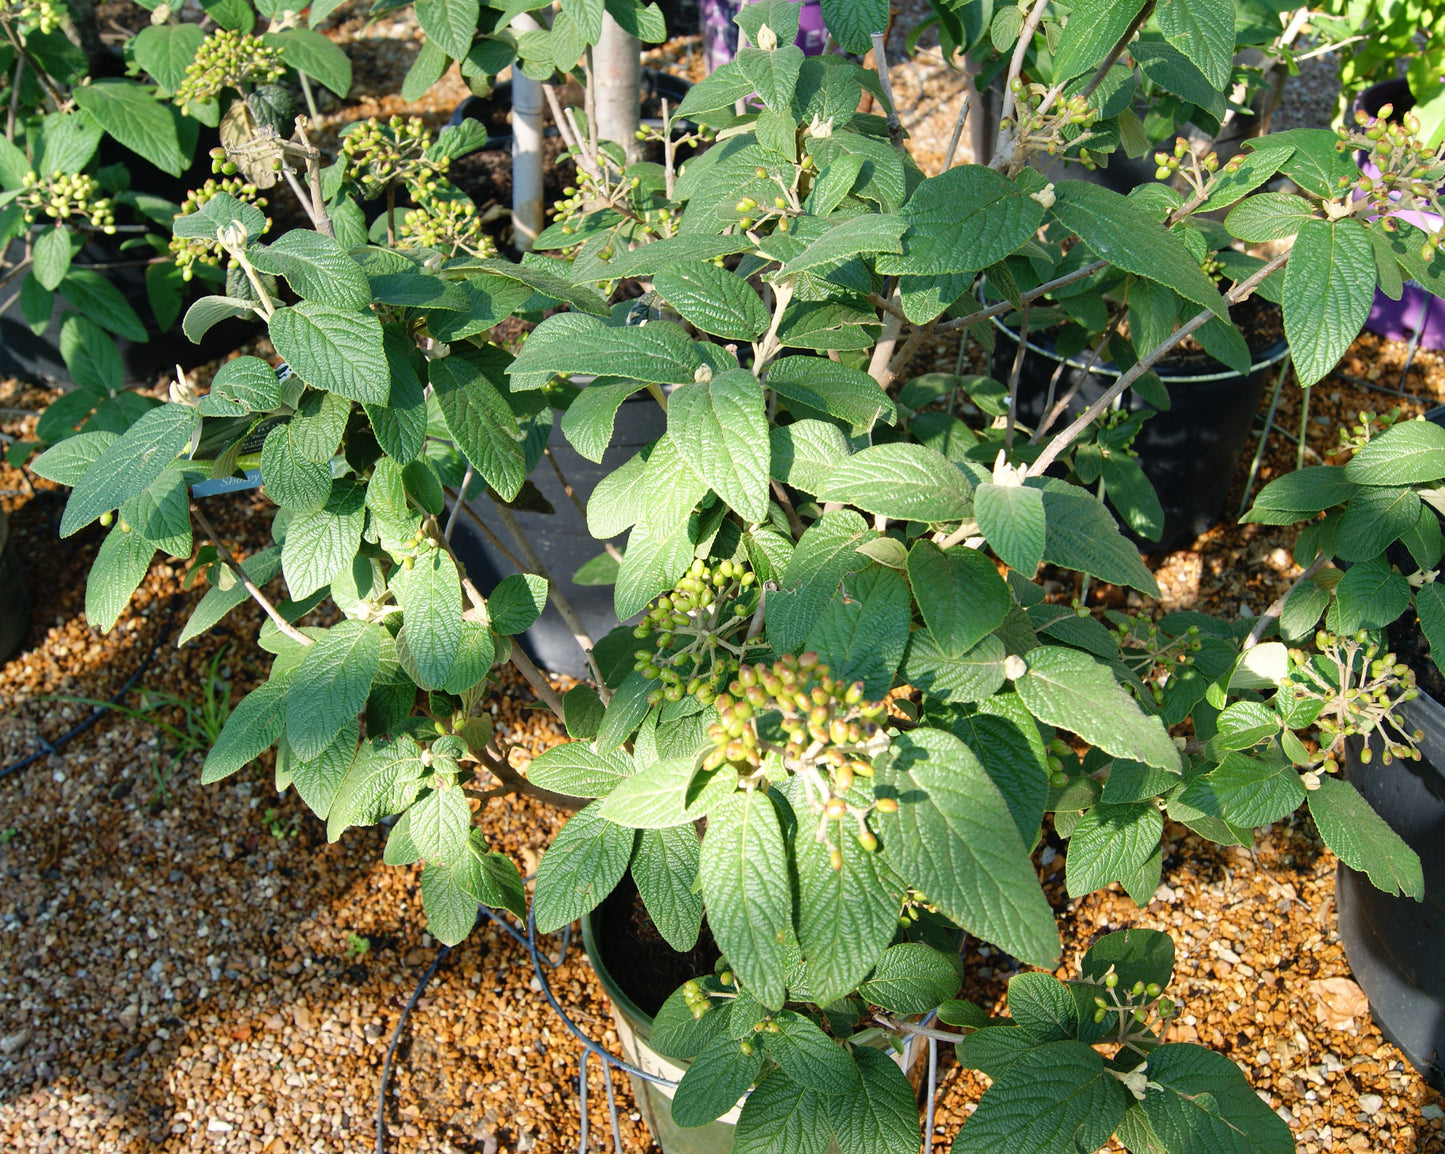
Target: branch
[1013,380]
[1118,49]
[957,133]
[1056,410]
[880,63]
[514,782]
[1144,364]
[1033,294]
[1277,607]
[250,586]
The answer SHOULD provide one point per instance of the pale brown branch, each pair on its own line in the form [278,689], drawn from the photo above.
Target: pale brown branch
[250,586]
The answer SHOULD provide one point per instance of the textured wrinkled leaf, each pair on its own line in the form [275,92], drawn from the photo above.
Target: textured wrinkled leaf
[1329,285]
[136,119]
[720,427]
[317,268]
[879,1116]
[1011,519]
[959,592]
[587,860]
[430,595]
[713,299]
[573,768]
[252,727]
[826,551]
[665,865]
[127,466]
[1199,1102]
[1203,30]
[1079,534]
[714,1082]
[853,22]
[1363,841]
[120,565]
[903,481]
[480,420]
[911,978]
[334,349]
[330,686]
[847,393]
[657,353]
[964,220]
[1409,453]
[1110,842]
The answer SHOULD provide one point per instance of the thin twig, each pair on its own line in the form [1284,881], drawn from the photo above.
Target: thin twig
[1064,439]
[1277,606]
[460,501]
[309,95]
[1055,409]
[1118,50]
[795,523]
[567,488]
[880,64]
[953,140]
[250,586]
[1033,294]
[1264,436]
[1013,380]
[486,531]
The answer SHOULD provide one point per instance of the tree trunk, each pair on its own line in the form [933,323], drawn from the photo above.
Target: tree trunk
[526,160]
[617,76]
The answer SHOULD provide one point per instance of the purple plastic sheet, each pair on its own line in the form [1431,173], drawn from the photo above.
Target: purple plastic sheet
[720,34]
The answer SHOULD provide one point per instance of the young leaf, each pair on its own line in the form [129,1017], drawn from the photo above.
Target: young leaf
[954,838]
[128,466]
[715,1080]
[1363,841]
[1199,1102]
[582,866]
[1011,519]
[902,481]
[745,887]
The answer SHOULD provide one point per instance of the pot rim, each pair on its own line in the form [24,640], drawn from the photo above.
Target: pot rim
[1271,355]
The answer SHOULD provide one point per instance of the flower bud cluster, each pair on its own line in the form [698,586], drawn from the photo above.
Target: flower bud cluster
[228,59]
[65,196]
[692,628]
[1410,174]
[1151,653]
[189,251]
[41,16]
[1052,129]
[450,224]
[1360,686]
[1354,437]
[380,154]
[1133,1007]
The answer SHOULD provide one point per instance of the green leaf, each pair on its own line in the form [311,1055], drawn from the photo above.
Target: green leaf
[316,267]
[1111,842]
[120,565]
[971,675]
[773,75]
[652,798]
[292,479]
[1298,496]
[480,420]
[857,236]
[314,54]
[1268,216]
[1371,595]
[954,838]
[1011,519]
[846,917]
[826,552]
[959,592]
[400,424]
[1246,792]
[382,780]
[429,66]
[517,602]
[746,890]
[811,1058]
[102,302]
[582,866]
[1199,1102]
[162,514]
[665,864]
[450,24]
[1043,1006]
[863,637]
[853,22]
[251,728]
[439,825]
[780,1115]
[165,290]
[209,311]
[334,349]
[1093,28]
[90,355]
[320,544]
[911,978]
[572,768]
[65,463]
[1125,234]
[1363,841]
[451,911]
[589,420]
[50,257]
[319,779]
[720,426]
[1056,1097]
[1080,534]
[805,452]
[964,220]
[1203,30]
[847,393]
[900,480]
[494,881]
[127,467]
[330,686]
[430,595]
[880,1116]
[1409,453]
[245,385]
[714,1082]
[656,353]
[1069,689]
[1373,519]
[713,299]
[1329,285]
[164,50]
[1308,156]
[132,115]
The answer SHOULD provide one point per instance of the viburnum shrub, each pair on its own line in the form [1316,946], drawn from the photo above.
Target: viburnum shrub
[849,707]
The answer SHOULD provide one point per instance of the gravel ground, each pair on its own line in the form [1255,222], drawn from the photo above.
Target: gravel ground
[187,968]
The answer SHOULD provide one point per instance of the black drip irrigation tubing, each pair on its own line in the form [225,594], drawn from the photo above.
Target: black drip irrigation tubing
[49,747]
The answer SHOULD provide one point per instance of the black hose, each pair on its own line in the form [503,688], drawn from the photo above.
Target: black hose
[395,1039]
[49,747]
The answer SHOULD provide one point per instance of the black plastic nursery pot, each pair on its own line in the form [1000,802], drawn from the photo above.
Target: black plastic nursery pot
[1396,945]
[14,594]
[1189,451]
[561,538]
[36,357]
